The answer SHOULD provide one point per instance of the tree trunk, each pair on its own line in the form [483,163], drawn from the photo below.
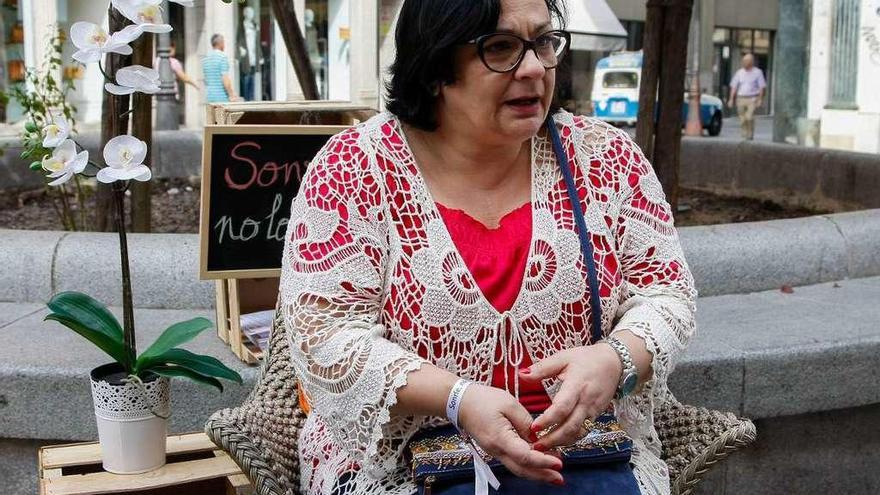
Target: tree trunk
[646,122]
[296,47]
[112,125]
[667,144]
[663,74]
[142,128]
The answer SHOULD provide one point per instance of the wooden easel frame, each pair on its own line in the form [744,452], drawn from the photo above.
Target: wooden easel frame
[261,116]
[229,313]
[204,217]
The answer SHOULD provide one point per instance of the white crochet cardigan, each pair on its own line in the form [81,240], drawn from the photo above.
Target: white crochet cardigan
[372,286]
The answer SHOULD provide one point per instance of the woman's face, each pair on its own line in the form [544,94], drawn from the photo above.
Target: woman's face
[509,106]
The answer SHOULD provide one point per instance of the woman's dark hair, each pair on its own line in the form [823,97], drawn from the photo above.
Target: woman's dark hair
[428,34]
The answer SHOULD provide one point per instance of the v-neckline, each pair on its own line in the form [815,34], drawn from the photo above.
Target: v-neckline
[448,237]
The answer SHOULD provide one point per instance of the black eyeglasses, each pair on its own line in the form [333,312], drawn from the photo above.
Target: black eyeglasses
[503,52]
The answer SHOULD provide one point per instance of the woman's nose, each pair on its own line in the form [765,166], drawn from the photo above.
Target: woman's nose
[530,67]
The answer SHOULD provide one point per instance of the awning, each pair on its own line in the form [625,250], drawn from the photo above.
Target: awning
[594,27]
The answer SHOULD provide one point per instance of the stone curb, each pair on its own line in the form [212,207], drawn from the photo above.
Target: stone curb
[755,256]
[725,259]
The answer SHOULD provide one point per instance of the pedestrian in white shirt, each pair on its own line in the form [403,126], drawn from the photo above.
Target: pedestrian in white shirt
[747,89]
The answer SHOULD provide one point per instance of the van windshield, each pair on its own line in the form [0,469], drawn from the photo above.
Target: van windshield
[621,80]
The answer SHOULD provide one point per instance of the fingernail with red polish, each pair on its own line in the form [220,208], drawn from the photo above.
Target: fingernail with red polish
[535,428]
[539,447]
[533,437]
[559,482]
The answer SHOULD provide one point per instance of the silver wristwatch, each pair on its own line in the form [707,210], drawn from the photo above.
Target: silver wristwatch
[629,377]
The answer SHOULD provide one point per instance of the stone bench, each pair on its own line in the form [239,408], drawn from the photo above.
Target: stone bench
[769,356]
[802,365]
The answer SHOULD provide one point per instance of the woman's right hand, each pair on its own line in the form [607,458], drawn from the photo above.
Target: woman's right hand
[500,426]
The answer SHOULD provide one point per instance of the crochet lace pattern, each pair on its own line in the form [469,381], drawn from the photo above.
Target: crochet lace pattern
[372,287]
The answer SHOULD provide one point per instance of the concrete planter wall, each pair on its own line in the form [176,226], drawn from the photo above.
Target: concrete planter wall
[812,177]
[725,259]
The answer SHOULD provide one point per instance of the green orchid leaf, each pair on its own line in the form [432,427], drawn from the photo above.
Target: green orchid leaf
[88,312]
[114,348]
[178,371]
[177,334]
[204,365]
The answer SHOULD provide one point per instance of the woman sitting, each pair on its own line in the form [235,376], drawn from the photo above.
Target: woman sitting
[435,246]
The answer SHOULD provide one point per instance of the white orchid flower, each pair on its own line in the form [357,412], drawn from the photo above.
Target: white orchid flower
[185,3]
[93,41]
[134,78]
[145,14]
[124,156]
[64,162]
[56,133]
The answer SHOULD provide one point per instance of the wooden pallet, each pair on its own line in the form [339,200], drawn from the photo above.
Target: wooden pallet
[195,466]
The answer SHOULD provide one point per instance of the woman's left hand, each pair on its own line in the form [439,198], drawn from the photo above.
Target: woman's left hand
[590,375]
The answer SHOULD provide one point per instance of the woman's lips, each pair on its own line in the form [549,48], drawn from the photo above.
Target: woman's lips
[524,106]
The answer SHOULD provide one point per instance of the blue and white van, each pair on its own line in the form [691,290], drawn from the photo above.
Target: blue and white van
[616,93]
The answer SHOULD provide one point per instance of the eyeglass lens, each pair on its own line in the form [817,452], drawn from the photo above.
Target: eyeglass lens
[502,52]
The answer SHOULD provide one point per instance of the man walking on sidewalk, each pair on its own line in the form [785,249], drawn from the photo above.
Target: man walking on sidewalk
[216,69]
[747,87]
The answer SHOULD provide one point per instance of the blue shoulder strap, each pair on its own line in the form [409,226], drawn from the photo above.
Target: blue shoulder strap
[583,233]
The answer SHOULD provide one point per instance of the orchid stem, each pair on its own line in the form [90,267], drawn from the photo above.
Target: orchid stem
[101,68]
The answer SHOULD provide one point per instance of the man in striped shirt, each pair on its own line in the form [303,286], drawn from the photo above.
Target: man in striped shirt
[216,68]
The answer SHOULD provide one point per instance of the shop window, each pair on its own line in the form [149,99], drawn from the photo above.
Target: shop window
[730,45]
[328,41]
[12,64]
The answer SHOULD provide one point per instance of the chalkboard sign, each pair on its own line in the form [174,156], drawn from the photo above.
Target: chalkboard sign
[250,175]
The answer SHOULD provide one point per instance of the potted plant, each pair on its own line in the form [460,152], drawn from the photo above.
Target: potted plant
[131,393]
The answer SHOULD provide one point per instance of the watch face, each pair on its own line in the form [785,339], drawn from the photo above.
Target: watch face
[629,384]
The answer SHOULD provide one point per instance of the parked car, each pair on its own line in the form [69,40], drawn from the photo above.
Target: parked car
[615,95]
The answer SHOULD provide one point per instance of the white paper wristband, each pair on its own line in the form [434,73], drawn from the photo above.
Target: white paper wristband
[483,473]
[453,403]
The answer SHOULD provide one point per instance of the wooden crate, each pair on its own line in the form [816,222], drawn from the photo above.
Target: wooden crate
[291,112]
[195,466]
[236,297]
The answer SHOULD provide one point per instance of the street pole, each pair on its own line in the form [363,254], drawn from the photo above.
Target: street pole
[167,113]
[694,126]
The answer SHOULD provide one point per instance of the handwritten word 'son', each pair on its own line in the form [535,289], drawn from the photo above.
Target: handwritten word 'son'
[266,175]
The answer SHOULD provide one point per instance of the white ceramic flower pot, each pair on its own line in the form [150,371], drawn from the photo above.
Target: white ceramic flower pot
[132,437]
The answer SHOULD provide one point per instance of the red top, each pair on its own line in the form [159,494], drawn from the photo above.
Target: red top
[497,259]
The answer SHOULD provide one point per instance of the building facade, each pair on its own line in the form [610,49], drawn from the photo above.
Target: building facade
[350,45]
[843,103]
[727,29]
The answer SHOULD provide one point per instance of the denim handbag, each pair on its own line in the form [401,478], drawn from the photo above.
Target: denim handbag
[597,464]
